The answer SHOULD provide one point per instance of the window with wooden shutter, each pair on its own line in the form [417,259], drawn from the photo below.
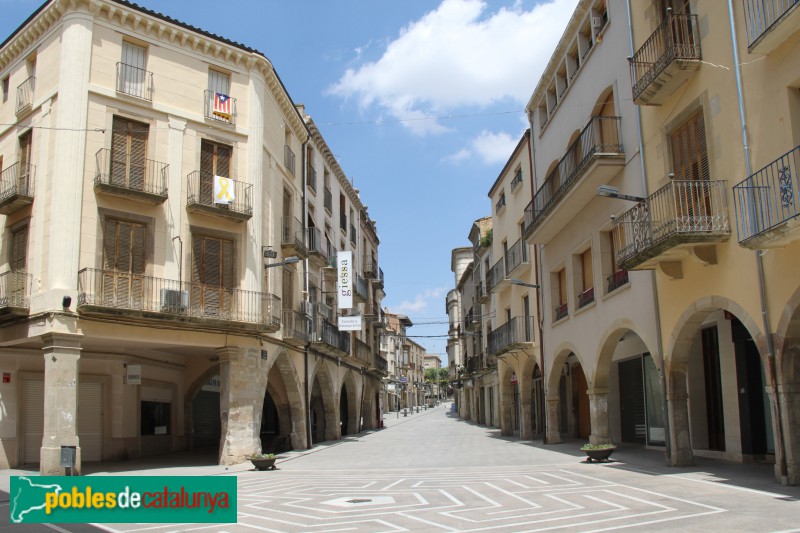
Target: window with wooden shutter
[586,267]
[25,149]
[18,261]
[212,276]
[562,287]
[215,160]
[124,264]
[128,152]
[690,169]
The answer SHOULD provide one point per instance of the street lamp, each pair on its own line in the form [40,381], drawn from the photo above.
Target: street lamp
[288,261]
[608,191]
[521,283]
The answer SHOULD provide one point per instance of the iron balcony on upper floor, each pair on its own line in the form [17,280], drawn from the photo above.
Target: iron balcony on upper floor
[201,198]
[123,294]
[362,352]
[15,290]
[516,334]
[591,160]
[328,339]
[219,107]
[16,187]
[135,81]
[684,216]
[316,248]
[767,204]
[25,91]
[120,173]
[293,237]
[360,288]
[667,58]
[770,23]
[297,327]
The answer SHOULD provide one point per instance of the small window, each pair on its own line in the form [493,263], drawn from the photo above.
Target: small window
[5,89]
[155,417]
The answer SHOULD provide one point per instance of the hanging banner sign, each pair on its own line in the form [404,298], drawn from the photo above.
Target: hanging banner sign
[344,281]
[223,190]
[350,323]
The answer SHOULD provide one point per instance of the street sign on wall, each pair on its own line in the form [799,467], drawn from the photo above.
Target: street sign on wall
[350,323]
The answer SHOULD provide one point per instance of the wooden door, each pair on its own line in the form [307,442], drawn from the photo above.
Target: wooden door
[123,265]
[212,276]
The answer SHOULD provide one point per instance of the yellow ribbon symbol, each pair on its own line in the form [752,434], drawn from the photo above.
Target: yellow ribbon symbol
[224,193]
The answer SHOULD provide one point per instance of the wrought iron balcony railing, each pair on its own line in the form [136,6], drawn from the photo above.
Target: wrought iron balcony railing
[316,246]
[767,200]
[516,255]
[293,236]
[353,234]
[764,16]
[111,289]
[328,334]
[361,286]
[134,81]
[586,297]
[560,312]
[690,211]
[380,364]
[362,351]
[599,136]
[288,158]
[220,112]
[675,43]
[517,180]
[25,95]
[15,290]
[124,172]
[617,280]
[16,187]
[200,195]
[328,200]
[311,179]
[516,331]
[496,274]
[370,268]
[296,326]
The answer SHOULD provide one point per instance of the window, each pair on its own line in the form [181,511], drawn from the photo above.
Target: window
[128,151]
[219,105]
[4,88]
[24,159]
[690,168]
[215,160]
[132,75]
[124,264]
[501,202]
[155,418]
[219,82]
[586,295]
[342,214]
[18,253]
[212,275]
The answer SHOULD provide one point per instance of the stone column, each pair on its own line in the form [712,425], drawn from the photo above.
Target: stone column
[789,399]
[62,352]
[598,408]
[553,433]
[678,405]
[243,382]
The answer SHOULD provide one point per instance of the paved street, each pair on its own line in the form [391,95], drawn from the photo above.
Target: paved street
[432,472]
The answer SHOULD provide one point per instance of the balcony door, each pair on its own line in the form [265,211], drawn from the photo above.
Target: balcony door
[215,160]
[133,69]
[18,261]
[691,172]
[25,149]
[128,152]
[212,276]
[123,264]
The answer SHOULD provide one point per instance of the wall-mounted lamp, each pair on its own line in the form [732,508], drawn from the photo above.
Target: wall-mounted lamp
[521,283]
[608,191]
[66,301]
[288,261]
[269,253]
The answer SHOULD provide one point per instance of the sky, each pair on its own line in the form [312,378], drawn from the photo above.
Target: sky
[421,102]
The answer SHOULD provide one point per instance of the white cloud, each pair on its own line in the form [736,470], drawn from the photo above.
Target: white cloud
[458,58]
[489,147]
[420,301]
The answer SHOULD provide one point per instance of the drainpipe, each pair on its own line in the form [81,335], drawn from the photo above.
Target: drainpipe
[307,397]
[779,438]
[659,337]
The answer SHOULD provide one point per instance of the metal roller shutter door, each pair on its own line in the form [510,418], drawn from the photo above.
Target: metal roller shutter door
[90,420]
[33,421]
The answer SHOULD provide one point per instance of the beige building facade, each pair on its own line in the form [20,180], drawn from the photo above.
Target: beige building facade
[150,198]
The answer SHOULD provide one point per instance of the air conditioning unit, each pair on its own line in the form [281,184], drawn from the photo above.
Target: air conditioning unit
[597,22]
[174,301]
[306,308]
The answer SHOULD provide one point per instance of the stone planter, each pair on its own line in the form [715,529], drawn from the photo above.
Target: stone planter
[599,455]
[263,463]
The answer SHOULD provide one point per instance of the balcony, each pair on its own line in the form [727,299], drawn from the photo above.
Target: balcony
[667,59]
[15,290]
[586,297]
[591,160]
[328,339]
[288,158]
[472,322]
[297,329]
[362,352]
[122,176]
[343,222]
[517,260]
[516,334]
[109,293]
[311,179]
[481,294]
[360,289]
[201,197]
[134,81]
[25,96]
[293,235]
[496,274]
[329,268]
[767,204]
[328,200]
[220,107]
[560,312]
[380,365]
[353,234]
[370,268]
[616,280]
[316,247]
[676,219]
[770,23]
[517,181]
[16,188]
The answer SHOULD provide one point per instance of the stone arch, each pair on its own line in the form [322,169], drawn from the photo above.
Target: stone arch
[350,390]
[604,100]
[508,412]
[608,343]
[787,340]
[562,353]
[188,403]
[370,413]
[787,397]
[295,410]
[324,403]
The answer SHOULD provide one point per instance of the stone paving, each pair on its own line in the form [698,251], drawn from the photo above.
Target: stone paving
[431,472]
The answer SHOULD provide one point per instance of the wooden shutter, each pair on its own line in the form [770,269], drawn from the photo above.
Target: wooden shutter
[18,261]
[562,287]
[690,164]
[124,264]
[212,274]
[25,148]
[586,264]
[128,153]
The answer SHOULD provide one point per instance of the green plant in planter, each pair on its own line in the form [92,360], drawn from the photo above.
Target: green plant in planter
[607,446]
[262,456]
